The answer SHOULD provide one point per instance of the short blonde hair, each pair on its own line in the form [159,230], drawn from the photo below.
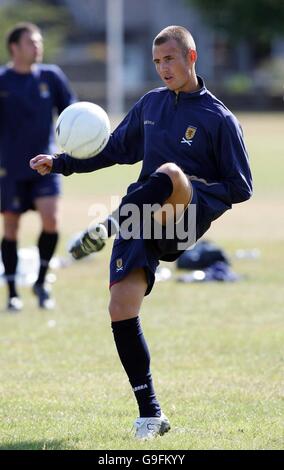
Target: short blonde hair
[180,34]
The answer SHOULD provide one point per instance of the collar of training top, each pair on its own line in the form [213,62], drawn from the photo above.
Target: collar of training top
[182,95]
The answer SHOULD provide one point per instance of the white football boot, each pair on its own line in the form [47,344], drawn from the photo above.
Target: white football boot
[90,241]
[148,428]
[15,304]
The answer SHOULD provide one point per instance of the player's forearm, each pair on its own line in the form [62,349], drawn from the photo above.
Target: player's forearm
[66,165]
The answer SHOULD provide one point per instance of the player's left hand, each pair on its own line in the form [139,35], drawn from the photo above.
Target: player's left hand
[42,164]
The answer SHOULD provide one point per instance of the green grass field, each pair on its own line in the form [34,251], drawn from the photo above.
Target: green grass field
[217,349]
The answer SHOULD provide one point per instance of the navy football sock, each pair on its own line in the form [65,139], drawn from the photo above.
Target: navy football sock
[155,190]
[111,223]
[135,358]
[46,245]
[10,261]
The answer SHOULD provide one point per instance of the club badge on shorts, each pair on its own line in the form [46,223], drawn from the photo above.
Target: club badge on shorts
[119,265]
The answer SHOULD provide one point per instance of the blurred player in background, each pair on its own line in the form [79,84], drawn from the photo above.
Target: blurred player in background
[29,95]
[194,162]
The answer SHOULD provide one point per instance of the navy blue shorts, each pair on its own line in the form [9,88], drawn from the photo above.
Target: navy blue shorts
[147,253]
[19,195]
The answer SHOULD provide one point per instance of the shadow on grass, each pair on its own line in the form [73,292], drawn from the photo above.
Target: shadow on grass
[34,445]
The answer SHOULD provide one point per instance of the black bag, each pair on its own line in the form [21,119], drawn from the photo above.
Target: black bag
[201,256]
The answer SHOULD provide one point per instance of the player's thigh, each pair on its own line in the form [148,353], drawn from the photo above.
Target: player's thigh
[47,208]
[11,223]
[126,296]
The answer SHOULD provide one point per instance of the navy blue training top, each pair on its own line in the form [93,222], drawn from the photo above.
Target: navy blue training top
[194,130]
[27,105]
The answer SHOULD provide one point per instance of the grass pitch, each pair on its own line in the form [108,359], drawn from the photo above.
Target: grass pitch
[217,349]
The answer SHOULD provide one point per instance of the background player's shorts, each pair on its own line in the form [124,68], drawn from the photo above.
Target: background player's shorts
[19,195]
[146,253]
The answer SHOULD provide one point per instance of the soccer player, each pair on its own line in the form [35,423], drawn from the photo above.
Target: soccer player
[194,163]
[29,94]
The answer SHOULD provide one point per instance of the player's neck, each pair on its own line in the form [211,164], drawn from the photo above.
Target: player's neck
[191,86]
[21,67]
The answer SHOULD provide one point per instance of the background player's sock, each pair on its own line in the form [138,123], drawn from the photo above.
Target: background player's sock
[46,245]
[135,358]
[10,260]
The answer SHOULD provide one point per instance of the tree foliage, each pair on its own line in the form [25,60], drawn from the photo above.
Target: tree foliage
[53,20]
[259,20]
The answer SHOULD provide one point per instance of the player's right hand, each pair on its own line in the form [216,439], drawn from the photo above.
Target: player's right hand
[42,164]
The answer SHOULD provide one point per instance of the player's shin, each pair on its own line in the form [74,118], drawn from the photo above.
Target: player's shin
[156,190]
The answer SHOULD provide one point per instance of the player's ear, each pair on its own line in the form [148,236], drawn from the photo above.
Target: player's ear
[11,49]
[192,55]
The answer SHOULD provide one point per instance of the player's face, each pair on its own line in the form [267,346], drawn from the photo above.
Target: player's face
[174,68]
[29,49]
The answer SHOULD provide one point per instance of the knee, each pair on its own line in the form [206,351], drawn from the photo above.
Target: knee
[11,229]
[119,309]
[11,233]
[50,223]
[174,172]
[116,310]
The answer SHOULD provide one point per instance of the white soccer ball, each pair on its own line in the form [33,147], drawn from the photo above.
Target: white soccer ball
[82,130]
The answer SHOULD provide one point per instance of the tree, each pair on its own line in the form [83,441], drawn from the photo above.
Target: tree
[257,20]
